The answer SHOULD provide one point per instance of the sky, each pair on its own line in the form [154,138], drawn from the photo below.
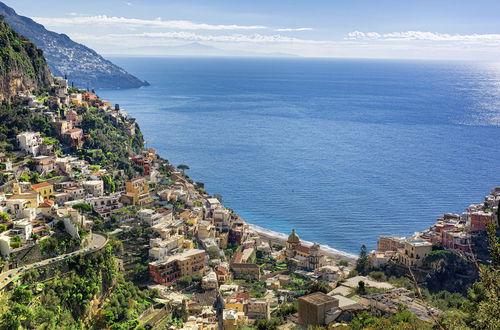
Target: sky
[416,29]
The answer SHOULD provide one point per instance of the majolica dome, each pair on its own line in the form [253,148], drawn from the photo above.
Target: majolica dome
[293,238]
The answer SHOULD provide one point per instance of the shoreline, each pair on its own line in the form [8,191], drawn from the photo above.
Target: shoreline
[281,238]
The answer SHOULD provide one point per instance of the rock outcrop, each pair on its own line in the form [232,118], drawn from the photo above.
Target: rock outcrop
[22,65]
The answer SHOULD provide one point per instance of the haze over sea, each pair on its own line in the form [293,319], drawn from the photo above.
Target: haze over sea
[341,150]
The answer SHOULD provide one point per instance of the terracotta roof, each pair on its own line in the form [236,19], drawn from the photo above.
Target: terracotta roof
[47,203]
[303,249]
[41,185]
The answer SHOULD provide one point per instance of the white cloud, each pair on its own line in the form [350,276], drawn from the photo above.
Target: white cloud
[294,29]
[124,22]
[190,36]
[421,35]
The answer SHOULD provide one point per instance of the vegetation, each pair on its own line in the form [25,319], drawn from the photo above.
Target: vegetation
[363,264]
[109,144]
[14,120]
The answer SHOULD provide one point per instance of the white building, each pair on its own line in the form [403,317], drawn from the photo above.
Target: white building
[23,229]
[94,187]
[30,142]
[209,281]
[4,245]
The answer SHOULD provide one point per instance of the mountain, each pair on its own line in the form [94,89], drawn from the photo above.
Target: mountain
[22,65]
[196,49]
[80,64]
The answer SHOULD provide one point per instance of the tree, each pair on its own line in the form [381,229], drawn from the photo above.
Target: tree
[291,265]
[319,286]
[183,167]
[484,305]
[84,207]
[363,264]
[361,288]
[109,184]
[4,217]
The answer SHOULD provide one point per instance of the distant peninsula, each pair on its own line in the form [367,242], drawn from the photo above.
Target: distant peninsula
[80,64]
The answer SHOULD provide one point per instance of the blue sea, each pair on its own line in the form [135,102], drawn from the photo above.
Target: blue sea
[341,150]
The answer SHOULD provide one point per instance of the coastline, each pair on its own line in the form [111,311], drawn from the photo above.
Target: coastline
[281,238]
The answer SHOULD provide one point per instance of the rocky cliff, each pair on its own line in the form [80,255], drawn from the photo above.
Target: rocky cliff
[80,64]
[22,65]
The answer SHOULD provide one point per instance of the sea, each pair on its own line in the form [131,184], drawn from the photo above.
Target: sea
[342,150]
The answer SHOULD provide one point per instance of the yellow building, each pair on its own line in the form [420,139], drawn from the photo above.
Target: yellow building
[414,252]
[45,189]
[232,319]
[32,198]
[188,244]
[137,191]
[236,304]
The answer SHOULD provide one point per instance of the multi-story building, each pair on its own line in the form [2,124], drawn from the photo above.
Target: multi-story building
[414,252]
[137,192]
[390,243]
[188,263]
[478,220]
[313,308]
[30,142]
[456,240]
[258,309]
[94,187]
[45,189]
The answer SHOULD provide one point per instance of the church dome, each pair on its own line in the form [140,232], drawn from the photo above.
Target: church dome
[293,238]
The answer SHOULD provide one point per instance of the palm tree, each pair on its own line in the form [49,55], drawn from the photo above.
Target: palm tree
[183,167]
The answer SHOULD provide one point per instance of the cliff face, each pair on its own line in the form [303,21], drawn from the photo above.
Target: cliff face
[80,64]
[22,65]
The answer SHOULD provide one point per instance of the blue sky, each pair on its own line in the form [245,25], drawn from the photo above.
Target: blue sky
[426,29]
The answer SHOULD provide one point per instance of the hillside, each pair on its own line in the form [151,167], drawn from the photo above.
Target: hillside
[82,65]
[22,66]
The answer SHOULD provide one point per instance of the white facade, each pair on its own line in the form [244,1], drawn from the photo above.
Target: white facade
[94,187]
[5,245]
[30,142]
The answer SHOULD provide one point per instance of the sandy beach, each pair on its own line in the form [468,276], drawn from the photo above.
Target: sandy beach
[278,238]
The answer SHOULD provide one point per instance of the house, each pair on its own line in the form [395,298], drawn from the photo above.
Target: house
[314,307]
[73,117]
[137,192]
[243,271]
[478,221]
[414,252]
[329,273]
[94,187]
[75,192]
[30,142]
[456,240]
[44,164]
[390,243]
[259,309]
[188,263]
[104,205]
[45,189]
[23,229]
[21,199]
[61,126]
[74,137]
[223,274]
[232,319]
[209,281]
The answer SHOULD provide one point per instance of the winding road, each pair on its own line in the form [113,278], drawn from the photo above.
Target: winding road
[98,242]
